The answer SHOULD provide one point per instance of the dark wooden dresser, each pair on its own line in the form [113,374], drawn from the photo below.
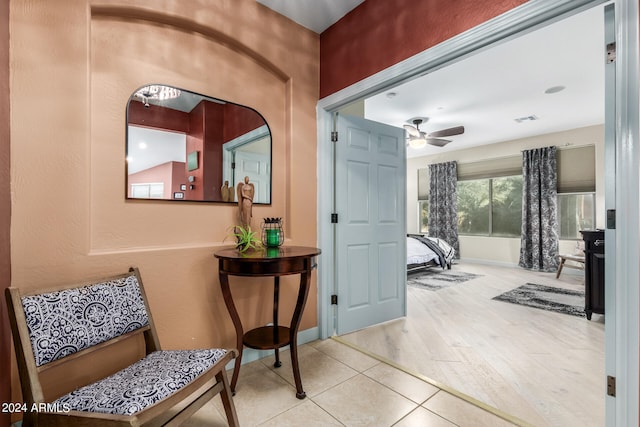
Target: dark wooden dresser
[593,271]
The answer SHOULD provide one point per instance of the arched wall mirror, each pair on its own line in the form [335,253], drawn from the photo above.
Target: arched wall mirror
[182,146]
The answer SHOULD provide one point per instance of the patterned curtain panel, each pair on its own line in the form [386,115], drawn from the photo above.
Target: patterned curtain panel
[443,203]
[539,240]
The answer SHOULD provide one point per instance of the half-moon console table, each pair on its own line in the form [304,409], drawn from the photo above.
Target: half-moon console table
[274,262]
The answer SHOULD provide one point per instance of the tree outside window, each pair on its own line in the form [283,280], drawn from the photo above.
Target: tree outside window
[474,207]
[490,207]
[493,207]
[506,205]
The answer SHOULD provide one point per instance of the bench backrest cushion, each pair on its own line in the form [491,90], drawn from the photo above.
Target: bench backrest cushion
[64,322]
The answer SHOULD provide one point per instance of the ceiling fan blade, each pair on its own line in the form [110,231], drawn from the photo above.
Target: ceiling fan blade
[457,130]
[438,142]
[411,130]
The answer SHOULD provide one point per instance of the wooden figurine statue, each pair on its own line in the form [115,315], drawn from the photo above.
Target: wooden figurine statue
[225,192]
[245,191]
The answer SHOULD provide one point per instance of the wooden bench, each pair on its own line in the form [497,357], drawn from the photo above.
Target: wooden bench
[578,259]
[165,387]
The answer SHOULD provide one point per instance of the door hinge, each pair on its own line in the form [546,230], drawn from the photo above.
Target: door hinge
[334,136]
[611,386]
[334,218]
[611,53]
[334,299]
[611,219]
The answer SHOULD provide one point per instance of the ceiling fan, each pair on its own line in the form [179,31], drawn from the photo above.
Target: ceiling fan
[418,139]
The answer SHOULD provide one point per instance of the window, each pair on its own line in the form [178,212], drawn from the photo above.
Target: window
[506,206]
[423,200]
[147,191]
[576,211]
[490,207]
[490,195]
[474,207]
[423,214]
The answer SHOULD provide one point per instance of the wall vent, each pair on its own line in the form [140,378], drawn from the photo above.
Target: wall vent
[527,119]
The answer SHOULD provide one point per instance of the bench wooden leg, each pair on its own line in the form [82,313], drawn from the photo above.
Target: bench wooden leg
[562,260]
[227,402]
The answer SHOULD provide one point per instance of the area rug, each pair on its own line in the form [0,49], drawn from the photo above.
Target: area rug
[546,298]
[434,279]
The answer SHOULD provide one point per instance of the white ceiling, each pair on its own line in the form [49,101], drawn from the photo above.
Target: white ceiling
[487,91]
[316,15]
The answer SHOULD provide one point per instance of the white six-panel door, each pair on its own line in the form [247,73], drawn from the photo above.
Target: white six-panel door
[371,231]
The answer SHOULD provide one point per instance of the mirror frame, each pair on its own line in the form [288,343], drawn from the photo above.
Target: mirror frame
[226,171]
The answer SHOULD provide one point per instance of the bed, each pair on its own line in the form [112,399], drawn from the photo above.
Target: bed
[424,252]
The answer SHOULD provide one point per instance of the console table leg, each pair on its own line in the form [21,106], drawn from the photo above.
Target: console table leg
[235,318]
[276,298]
[305,280]
[288,260]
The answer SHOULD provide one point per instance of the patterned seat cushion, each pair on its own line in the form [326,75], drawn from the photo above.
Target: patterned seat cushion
[65,322]
[142,384]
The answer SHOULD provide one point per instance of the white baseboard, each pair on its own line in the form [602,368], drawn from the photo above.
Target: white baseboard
[487,262]
[570,271]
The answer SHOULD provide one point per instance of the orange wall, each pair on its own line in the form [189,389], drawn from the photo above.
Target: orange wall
[71,221]
[380,33]
[5,209]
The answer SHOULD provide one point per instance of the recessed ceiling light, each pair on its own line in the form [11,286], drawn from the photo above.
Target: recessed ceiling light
[554,89]
[391,95]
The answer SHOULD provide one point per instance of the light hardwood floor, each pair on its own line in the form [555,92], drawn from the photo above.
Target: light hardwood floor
[345,388]
[543,367]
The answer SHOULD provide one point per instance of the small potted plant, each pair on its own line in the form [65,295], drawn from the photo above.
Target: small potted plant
[245,238]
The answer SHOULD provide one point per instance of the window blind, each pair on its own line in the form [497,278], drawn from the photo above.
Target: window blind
[490,168]
[576,169]
[423,184]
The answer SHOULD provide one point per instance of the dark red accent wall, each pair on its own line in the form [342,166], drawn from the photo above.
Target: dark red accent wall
[380,33]
[239,120]
[206,138]
[5,212]
[214,125]
[194,144]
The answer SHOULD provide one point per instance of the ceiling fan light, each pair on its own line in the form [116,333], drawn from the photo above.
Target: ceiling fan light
[157,92]
[417,142]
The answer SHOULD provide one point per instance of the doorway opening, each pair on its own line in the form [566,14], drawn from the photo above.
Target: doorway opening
[523,21]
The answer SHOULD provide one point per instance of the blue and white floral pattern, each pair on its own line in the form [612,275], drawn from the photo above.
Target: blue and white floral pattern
[142,384]
[539,240]
[65,322]
[443,203]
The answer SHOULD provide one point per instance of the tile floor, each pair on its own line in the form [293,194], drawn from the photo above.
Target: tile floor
[345,387]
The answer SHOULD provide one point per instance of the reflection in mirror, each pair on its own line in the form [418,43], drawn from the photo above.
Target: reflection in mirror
[185,146]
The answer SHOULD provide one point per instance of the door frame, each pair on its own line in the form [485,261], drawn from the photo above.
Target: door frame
[228,152]
[622,410]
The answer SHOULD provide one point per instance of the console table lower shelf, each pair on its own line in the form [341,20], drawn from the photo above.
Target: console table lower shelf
[267,338]
[283,261]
